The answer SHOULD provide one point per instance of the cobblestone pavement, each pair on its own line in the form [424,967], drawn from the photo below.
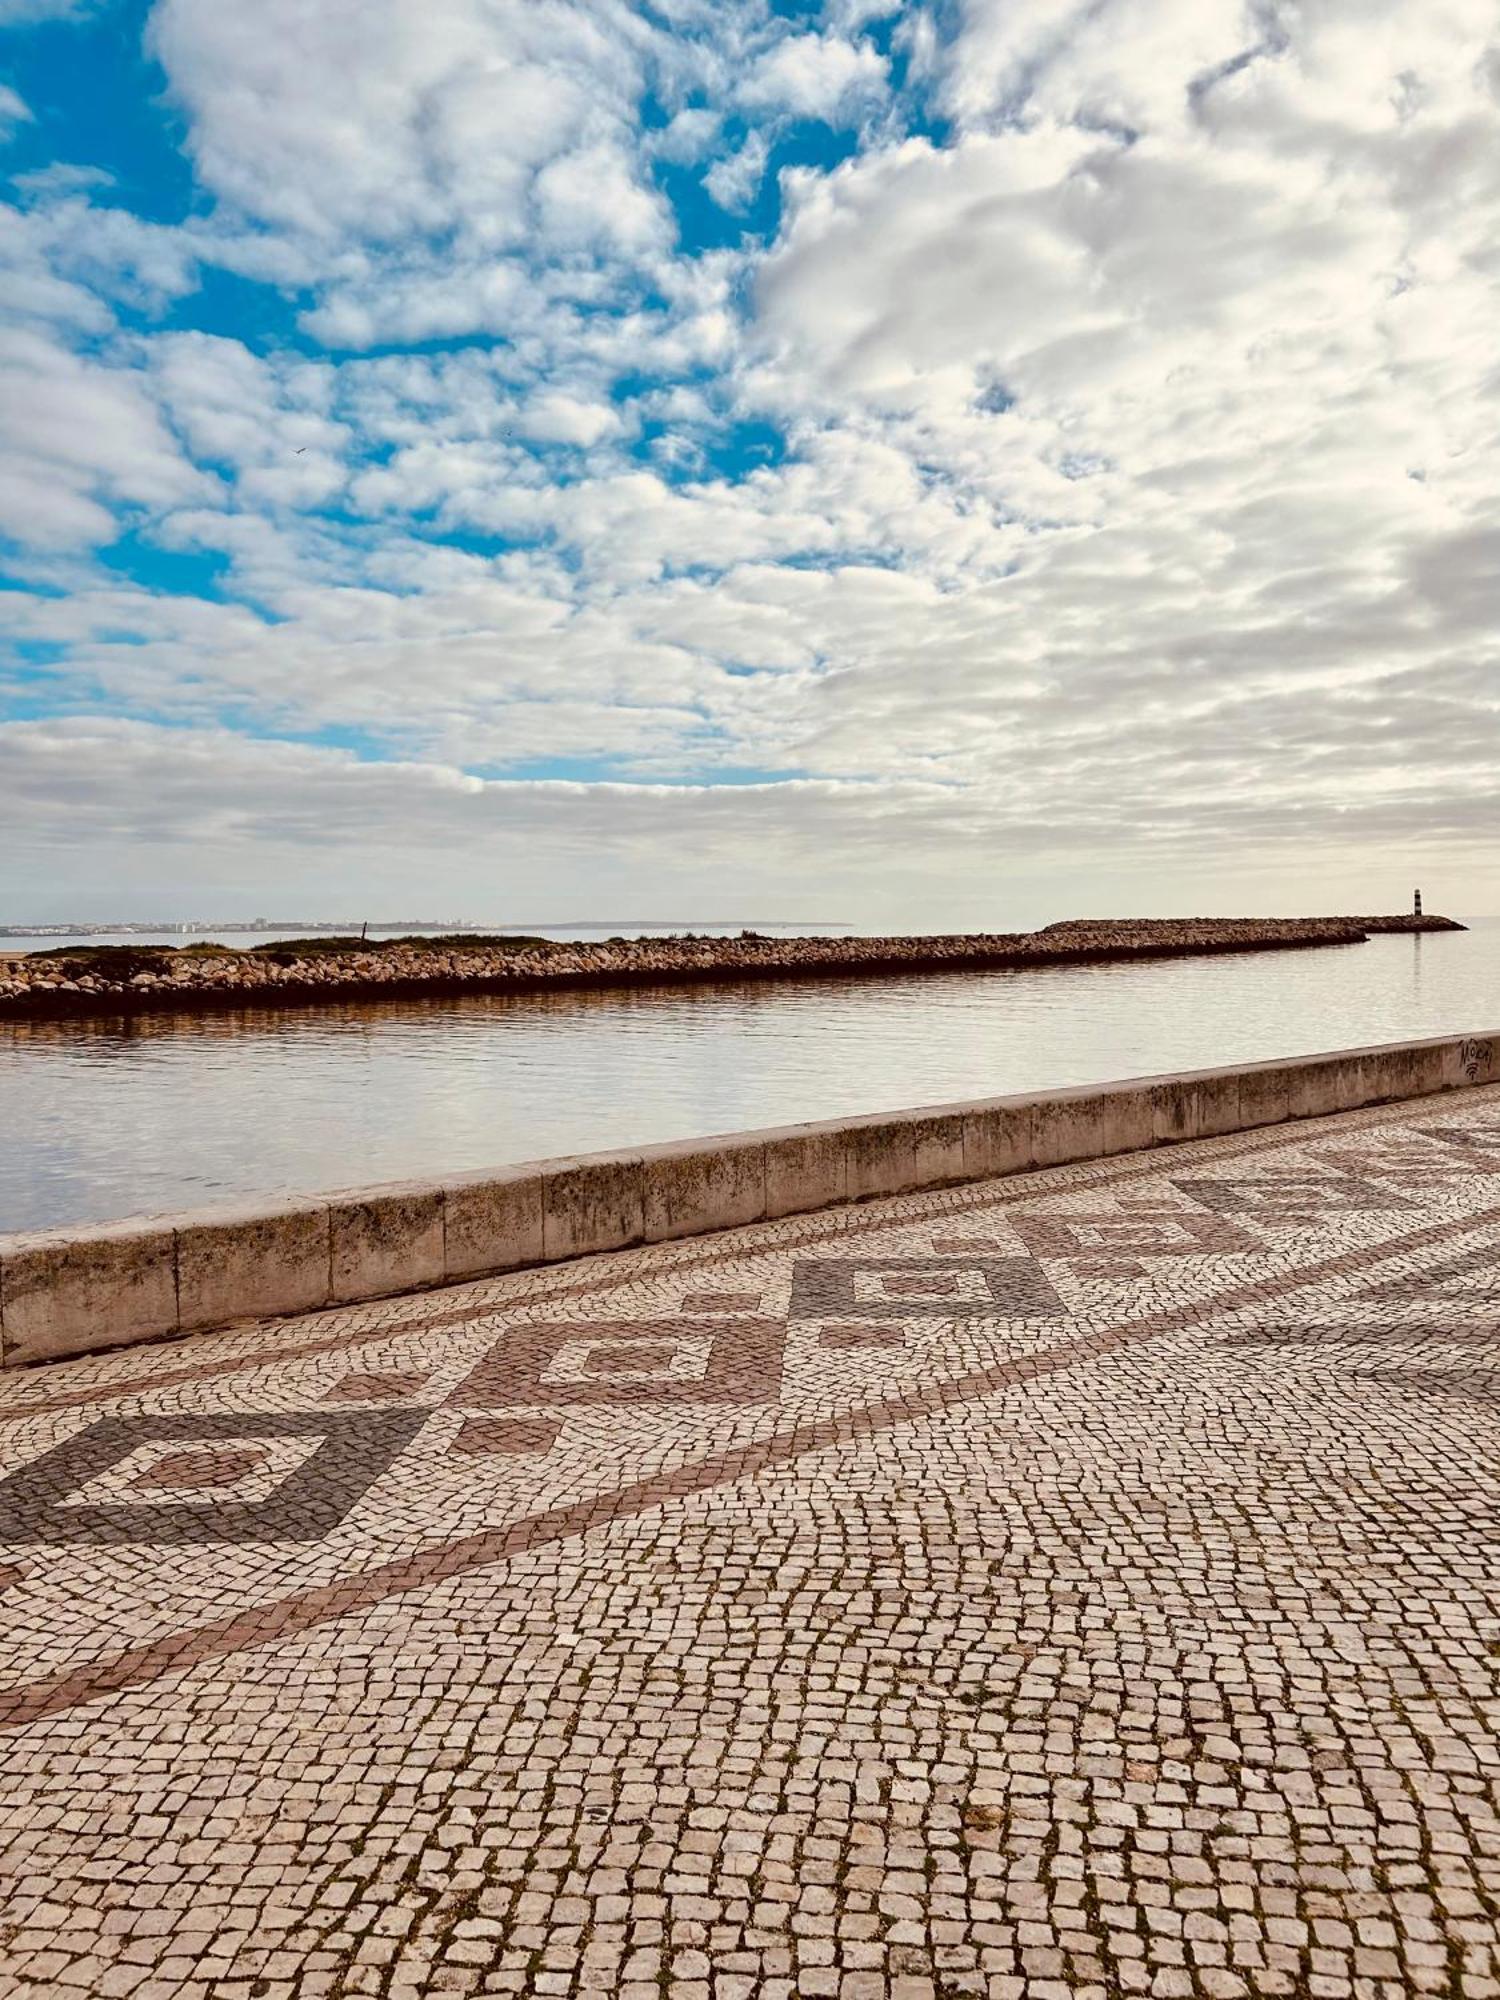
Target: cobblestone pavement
[1084,1584]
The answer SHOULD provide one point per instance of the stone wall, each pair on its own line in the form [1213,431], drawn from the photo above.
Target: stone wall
[78,1291]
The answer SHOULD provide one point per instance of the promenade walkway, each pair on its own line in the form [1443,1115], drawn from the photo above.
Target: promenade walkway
[1084,1584]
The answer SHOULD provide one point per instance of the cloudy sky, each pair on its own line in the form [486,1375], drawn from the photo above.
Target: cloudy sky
[963,463]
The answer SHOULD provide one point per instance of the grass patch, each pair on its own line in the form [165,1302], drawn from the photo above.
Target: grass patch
[106,961]
[287,951]
[124,961]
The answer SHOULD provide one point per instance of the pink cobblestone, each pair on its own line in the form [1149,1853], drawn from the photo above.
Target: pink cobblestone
[1081,1584]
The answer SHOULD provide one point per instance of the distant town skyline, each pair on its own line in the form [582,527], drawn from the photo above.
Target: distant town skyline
[963,465]
[353,925]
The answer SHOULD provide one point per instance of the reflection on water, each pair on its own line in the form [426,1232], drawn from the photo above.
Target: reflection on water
[167,1111]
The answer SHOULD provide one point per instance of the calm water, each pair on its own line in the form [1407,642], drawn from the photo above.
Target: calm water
[114,1118]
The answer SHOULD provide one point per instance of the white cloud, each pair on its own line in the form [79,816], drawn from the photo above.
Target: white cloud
[26,13]
[815,76]
[215,796]
[406,308]
[103,253]
[76,438]
[267,424]
[230,822]
[1133,493]
[62,177]
[14,111]
[1108,63]
[690,135]
[734,180]
[561,419]
[395,120]
[591,199]
[1246,377]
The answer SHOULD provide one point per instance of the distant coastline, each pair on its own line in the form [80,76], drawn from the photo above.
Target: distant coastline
[320,970]
[411,926]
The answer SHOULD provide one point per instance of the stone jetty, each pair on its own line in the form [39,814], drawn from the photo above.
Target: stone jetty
[113,979]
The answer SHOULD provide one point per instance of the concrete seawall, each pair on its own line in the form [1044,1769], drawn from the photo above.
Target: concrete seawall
[83,1290]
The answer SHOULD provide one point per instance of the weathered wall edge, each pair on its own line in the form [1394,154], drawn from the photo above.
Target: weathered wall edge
[79,1291]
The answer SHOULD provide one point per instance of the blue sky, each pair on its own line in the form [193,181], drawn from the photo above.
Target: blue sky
[729,451]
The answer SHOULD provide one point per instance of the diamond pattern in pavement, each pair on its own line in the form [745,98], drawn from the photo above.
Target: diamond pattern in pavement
[1083,1584]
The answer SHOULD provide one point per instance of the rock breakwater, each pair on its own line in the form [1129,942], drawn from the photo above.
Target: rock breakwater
[112,979]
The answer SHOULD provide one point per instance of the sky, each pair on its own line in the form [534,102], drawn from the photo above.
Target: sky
[939,466]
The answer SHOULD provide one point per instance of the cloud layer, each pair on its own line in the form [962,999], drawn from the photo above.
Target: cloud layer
[1037,445]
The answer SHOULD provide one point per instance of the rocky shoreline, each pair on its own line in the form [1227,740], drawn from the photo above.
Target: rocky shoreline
[320,971]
